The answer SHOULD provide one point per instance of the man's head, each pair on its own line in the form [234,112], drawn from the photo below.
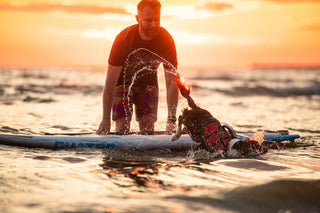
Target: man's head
[148,18]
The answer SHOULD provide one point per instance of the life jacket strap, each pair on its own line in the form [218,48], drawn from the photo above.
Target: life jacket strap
[216,136]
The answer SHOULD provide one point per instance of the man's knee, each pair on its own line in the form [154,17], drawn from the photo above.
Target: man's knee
[146,123]
[149,118]
[123,125]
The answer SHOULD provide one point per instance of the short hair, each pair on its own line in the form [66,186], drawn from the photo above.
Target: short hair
[155,4]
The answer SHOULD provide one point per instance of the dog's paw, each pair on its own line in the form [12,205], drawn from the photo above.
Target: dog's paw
[175,137]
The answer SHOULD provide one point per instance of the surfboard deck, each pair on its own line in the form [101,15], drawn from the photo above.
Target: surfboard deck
[114,141]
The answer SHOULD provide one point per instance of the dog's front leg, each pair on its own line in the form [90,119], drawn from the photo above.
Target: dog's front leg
[178,132]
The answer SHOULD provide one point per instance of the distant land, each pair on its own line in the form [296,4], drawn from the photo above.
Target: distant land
[285,66]
[76,67]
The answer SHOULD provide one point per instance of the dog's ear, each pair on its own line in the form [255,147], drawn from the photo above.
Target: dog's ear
[184,110]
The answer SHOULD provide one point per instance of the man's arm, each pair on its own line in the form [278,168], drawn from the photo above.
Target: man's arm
[172,97]
[113,74]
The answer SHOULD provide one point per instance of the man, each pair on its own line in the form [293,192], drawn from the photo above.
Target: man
[152,43]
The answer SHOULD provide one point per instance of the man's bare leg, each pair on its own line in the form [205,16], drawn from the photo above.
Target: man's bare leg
[146,123]
[123,125]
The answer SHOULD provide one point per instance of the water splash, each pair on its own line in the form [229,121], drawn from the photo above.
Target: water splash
[201,154]
[139,63]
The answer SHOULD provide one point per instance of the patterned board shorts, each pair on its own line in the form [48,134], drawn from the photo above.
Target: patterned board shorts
[144,99]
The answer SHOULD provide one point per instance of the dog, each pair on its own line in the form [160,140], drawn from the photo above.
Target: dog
[208,131]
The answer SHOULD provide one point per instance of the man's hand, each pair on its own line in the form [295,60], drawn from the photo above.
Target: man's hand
[104,127]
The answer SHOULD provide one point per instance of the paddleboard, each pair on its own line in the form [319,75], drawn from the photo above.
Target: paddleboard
[114,141]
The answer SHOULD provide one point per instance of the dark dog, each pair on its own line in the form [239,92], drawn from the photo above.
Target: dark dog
[208,131]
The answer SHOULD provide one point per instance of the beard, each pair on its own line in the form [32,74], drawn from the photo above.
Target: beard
[150,32]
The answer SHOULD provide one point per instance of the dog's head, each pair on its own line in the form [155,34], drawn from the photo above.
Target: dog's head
[194,120]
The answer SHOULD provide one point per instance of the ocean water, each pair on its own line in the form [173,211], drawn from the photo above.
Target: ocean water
[88,180]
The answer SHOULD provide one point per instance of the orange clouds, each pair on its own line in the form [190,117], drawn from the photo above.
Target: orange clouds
[217,6]
[94,9]
[208,33]
[292,1]
[315,27]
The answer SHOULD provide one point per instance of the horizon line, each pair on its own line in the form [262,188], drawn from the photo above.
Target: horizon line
[254,66]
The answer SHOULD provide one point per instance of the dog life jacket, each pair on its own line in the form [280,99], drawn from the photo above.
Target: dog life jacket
[217,136]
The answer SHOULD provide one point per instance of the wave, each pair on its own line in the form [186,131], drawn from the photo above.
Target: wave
[289,195]
[277,196]
[38,93]
[260,90]
[61,88]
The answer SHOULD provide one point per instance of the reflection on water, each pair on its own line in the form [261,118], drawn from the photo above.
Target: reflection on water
[143,169]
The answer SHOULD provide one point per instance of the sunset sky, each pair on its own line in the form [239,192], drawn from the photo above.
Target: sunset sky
[223,34]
